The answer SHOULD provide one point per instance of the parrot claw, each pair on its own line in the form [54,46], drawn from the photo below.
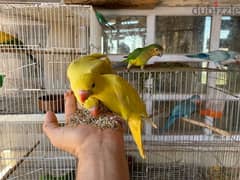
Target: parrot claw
[94,111]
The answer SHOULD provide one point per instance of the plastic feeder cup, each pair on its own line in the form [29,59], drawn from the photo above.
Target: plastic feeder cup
[211,113]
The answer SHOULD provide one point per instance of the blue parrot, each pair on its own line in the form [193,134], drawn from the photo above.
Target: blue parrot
[217,56]
[184,109]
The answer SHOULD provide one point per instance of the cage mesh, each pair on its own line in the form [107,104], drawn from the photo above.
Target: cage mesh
[55,35]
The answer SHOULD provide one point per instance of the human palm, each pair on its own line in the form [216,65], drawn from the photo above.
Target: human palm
[81,139]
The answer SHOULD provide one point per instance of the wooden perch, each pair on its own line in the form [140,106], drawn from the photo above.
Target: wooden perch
[20,161]
[214,129]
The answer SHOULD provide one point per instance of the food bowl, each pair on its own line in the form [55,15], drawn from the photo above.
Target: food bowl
[51,102]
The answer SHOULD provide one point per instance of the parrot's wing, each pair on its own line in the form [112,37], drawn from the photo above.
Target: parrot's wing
[170,121]
[128,97]
[219,55]
[133,55]
[187,108]
[184,109]
[177,112]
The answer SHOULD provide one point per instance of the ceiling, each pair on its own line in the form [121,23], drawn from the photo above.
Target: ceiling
[139,4]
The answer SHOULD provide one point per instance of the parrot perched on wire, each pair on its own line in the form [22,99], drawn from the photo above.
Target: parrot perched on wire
[118,96]
[184,109]
[101,19]
[8,39]
[140,56]
[220,57]
[94,63]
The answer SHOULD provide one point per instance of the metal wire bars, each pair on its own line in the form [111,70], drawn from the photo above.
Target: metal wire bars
[56,34]
[184,150]
[33,71]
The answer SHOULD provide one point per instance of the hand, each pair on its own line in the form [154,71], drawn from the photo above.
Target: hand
[90,144]
[83,138]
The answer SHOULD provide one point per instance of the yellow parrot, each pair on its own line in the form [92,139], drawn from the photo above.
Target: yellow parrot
[8,39]
[118,96]
[94,63]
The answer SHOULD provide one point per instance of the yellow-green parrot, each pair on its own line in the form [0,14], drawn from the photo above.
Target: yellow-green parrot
[94,63]
[8,39]
[140,56]
[118,96]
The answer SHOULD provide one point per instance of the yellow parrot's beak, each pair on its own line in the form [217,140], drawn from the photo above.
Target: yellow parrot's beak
[83,94]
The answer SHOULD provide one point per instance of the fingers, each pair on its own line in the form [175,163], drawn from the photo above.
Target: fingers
[52,129]
[70,104]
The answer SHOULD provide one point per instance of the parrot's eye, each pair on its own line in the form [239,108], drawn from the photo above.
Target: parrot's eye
[93,85]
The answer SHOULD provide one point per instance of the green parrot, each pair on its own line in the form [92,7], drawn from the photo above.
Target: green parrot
[101,19]
[8,39]
[140,56]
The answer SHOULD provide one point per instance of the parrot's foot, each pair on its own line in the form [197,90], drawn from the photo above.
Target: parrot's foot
[70,104]
[128,67]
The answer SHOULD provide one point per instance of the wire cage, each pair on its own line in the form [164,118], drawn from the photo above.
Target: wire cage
[186,150]
[44,39]
[55,35]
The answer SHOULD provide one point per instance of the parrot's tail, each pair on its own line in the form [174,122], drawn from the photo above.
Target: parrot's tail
[120,64]
[135,125]
[200,55]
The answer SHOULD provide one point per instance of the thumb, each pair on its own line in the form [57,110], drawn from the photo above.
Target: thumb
[50,122]
[51,127]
